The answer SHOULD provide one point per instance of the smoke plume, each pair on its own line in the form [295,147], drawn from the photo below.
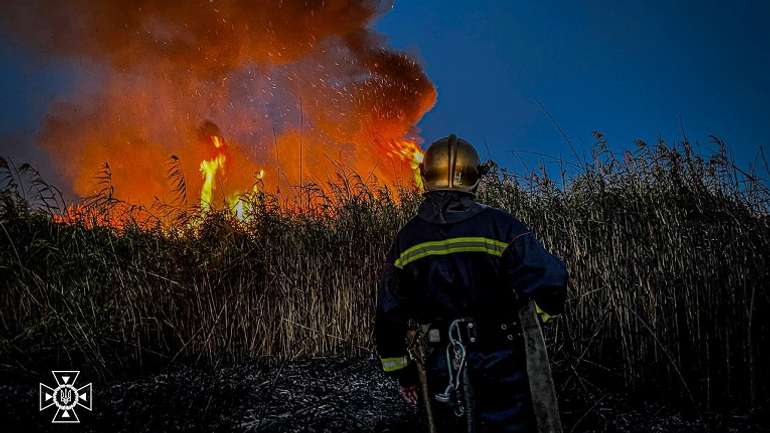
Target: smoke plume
[286,91]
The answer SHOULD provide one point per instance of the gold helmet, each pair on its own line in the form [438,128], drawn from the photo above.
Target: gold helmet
[451,164]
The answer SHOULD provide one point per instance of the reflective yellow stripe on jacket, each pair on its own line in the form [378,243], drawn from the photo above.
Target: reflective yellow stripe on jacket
[393,364]
[544,316]
[450,246]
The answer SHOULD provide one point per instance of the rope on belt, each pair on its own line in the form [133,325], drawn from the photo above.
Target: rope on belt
[456,359]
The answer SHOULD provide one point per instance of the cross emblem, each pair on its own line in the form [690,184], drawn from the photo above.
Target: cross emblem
[65,396]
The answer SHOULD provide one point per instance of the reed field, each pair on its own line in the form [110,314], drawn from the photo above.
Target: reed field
[668,252]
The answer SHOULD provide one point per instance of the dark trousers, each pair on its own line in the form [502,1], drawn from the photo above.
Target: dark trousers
[500,386]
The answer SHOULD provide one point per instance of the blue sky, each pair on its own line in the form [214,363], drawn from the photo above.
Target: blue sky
[508,72]
[632,70]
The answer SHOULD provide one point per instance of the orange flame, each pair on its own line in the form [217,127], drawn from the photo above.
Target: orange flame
[299,90]
[409,150]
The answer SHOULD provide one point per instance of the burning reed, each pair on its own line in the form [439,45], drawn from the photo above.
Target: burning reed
[669,256]
[238,91]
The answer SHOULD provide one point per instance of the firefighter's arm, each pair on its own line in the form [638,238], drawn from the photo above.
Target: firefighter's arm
[391,323]
[536,274]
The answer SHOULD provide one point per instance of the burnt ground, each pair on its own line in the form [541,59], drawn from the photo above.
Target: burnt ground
[305,396]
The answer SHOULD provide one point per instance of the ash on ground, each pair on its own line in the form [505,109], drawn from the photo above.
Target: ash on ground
[304,396]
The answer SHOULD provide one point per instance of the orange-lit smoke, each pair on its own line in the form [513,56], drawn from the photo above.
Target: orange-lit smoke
[288,91]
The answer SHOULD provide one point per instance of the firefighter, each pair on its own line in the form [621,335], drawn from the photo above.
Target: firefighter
[461,270]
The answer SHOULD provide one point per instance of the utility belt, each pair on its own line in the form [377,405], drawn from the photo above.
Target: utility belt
[455,339]
[476,334]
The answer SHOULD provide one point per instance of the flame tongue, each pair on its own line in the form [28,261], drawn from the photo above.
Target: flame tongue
[409,151]
[209,170]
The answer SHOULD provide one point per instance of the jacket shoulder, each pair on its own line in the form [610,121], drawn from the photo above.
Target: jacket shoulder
[504,223]
[411,230]
[491,222]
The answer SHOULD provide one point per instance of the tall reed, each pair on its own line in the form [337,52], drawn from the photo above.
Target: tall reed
[669,255]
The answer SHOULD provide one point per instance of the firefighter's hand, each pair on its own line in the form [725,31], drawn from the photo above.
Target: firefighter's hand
[409,394]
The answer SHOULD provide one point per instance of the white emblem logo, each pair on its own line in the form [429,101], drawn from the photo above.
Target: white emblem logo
[66,397]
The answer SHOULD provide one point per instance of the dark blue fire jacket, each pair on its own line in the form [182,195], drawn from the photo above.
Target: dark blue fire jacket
[461,259]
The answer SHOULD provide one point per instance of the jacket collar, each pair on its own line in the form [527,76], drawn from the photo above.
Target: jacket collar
[448,207]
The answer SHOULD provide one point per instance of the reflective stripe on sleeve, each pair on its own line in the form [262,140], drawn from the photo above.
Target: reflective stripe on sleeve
[393,364]
[544,316]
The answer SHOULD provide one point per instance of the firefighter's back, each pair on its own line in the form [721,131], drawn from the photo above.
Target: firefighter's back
[457,283]
[454,268]
[458,268]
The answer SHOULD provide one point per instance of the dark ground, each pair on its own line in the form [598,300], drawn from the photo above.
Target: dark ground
[306,396]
